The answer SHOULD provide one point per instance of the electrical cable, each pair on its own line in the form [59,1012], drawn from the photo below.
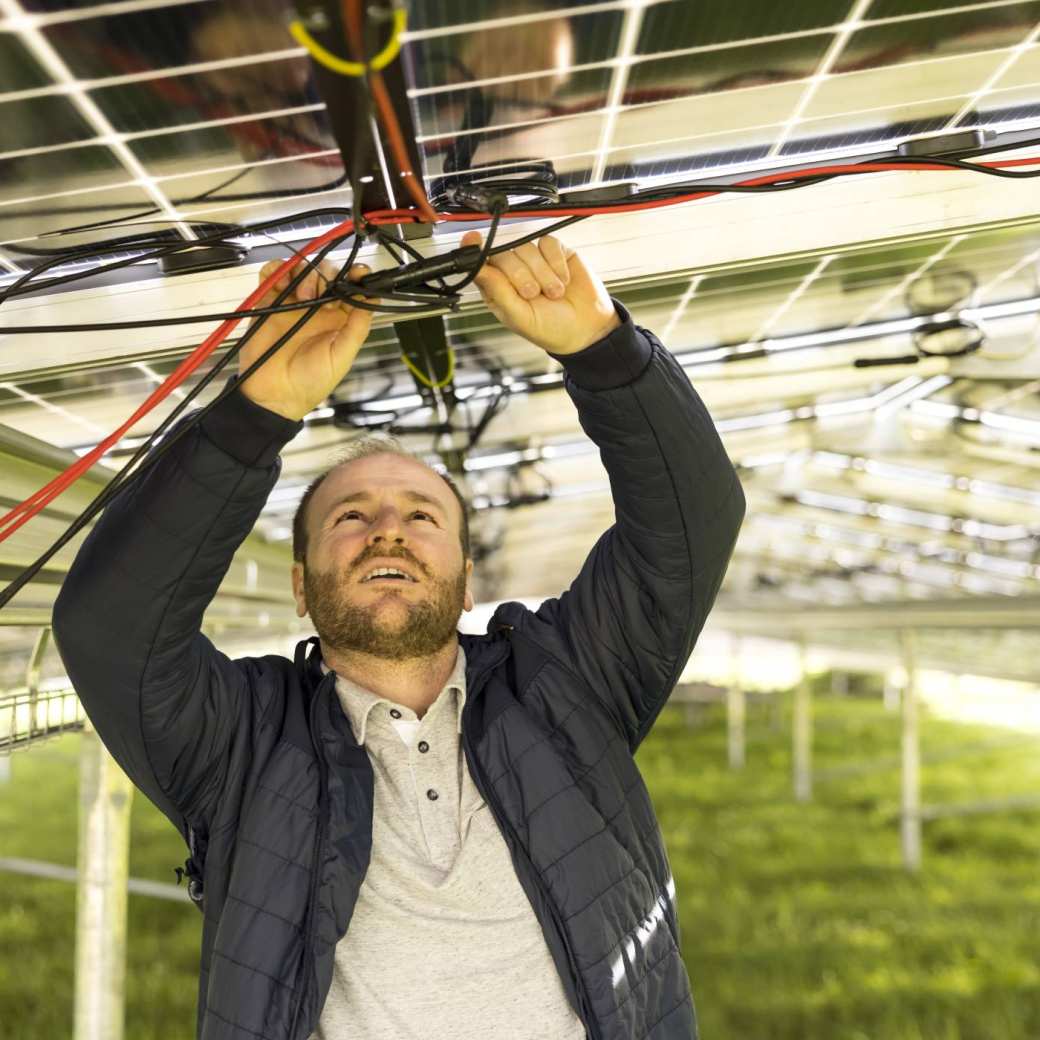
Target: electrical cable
[46,494]
[124,477]
[649,199]
[354,23]
[775,181]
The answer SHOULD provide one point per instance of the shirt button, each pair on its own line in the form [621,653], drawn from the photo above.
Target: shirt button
[432,795]
[394,713]
[423,746]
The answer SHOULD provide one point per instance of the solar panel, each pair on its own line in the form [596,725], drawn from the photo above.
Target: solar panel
[140,115]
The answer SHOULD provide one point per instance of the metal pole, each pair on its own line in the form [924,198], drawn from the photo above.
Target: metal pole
[910,810]
[101,892]
[891,693]
[803,732]
[736,712]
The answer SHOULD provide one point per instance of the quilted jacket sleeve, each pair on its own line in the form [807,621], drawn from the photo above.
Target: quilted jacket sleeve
[631,618]
[127,621]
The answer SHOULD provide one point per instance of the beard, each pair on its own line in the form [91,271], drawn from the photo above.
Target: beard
[345,626]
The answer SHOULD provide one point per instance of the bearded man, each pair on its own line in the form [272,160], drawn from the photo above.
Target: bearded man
[408,832]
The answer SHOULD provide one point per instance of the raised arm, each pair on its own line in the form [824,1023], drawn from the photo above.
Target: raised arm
[127,622]
[630,620]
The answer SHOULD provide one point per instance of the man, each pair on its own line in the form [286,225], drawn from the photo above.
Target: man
[407,832]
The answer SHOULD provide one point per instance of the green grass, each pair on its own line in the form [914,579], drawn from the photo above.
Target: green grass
[798,921]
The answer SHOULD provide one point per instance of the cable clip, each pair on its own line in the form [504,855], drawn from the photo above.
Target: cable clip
[335,63]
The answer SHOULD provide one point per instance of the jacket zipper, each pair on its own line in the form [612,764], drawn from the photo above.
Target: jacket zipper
[315,875]
[587,1017]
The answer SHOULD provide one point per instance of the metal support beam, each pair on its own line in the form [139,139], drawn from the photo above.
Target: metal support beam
[910,808]
[101,892]
[803,732]
[736,713]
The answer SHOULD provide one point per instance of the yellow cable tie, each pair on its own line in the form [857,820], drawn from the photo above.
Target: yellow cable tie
[426,382]
[351,68]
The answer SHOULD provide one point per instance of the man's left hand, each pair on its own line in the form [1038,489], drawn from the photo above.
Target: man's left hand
[545,293]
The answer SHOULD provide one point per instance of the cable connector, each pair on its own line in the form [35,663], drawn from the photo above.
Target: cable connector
[459,260]
[474,197]
[944,144]
[594,196]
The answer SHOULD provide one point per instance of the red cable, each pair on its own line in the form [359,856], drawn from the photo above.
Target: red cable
[36,502]
[45,495]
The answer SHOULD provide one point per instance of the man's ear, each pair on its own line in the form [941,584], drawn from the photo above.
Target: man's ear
[297,588]
[467,603]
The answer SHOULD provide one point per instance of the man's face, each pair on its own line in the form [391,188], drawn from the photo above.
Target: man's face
[384,511]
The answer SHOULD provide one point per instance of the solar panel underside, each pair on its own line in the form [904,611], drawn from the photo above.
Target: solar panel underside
[155,114]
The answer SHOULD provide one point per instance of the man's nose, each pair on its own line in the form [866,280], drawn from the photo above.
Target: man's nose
[386,527]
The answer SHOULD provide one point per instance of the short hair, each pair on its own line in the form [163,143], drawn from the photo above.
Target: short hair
[363,447]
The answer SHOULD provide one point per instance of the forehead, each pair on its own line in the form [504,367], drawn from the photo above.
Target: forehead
[382,475]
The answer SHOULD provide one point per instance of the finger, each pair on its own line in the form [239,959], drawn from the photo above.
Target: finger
[548,281]
[471,238]
[355,274]
[552,250]
[348,340]
[269,269]
[327,271]
[308,288]
[582,278]
[500,295]
[518,273]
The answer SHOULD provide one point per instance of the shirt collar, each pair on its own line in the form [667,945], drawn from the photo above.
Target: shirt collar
[358,702]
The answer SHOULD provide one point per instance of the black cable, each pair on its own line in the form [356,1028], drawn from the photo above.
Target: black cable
[158,323]
[23,285]
[124,477]
[250,196]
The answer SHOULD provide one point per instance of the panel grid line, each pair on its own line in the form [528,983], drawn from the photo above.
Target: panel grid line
[149,74]
[792,298]
[1015,53]
[680,308]
[121,185]
[116,137]
[619,5]
[831,55]
[18,21]
[901,287]
[42,50]
[633,21]
[706,48]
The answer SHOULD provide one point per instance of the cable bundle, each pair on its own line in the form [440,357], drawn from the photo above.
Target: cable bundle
[418,287]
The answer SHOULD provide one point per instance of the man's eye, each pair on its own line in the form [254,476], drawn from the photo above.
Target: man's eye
[349,512]
[419,512]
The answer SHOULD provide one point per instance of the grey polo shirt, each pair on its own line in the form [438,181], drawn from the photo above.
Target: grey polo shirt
[443,941]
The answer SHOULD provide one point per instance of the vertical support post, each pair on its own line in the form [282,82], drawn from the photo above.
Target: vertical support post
[736,711]
[101,892]
[803,731]
[910,807]
[891,693]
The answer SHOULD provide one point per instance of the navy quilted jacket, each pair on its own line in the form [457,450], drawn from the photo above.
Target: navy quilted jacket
[254,761]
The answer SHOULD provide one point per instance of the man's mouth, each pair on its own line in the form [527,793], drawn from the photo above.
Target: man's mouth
[388,575]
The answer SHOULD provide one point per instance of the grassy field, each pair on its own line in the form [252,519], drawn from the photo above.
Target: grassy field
[798,921]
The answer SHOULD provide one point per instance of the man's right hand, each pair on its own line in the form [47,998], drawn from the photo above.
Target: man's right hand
[306,369]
